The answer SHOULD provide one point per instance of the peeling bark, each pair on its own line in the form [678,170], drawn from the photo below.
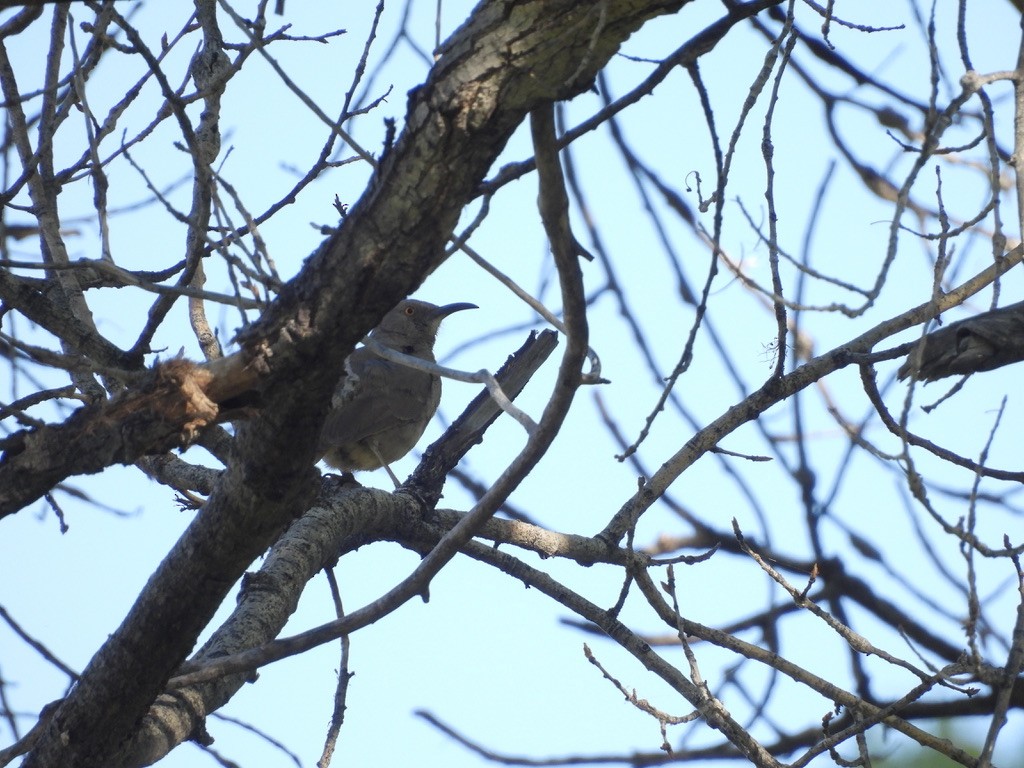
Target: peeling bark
[506,60]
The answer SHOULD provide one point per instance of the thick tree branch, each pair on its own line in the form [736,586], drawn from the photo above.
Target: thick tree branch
[507,59]
[340,520]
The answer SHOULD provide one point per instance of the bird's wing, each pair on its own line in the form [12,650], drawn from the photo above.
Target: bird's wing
[371,400]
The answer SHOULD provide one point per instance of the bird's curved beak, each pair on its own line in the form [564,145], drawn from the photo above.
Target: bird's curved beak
[449,309]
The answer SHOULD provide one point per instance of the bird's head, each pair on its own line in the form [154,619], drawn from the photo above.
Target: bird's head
[411,327]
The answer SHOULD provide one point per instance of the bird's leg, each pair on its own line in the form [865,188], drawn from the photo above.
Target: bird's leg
[392,475]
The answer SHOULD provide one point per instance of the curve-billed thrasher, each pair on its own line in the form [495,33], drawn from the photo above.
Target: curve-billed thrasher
[380,409]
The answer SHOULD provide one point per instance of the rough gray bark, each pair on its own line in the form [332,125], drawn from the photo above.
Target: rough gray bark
[506,60]
[340,520]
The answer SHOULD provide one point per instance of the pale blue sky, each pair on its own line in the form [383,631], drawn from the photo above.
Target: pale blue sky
[486,655]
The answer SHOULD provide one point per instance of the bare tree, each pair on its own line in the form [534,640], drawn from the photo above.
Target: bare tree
[646,201]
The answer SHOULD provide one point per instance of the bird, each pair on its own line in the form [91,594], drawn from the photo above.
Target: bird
[980,343]
[380,408]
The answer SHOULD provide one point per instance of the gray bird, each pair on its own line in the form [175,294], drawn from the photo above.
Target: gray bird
[980,343]
[380,409]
